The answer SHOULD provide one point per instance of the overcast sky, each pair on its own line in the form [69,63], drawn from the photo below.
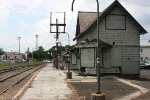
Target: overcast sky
[26,18]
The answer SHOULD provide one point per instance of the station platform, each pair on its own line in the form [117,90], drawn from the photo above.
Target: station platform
[48,84]
[51,84]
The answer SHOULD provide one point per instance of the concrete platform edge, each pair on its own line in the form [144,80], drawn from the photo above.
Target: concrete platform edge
[25,87]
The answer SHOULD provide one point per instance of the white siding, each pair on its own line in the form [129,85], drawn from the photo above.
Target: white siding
[73,59]
[87,57]
[106,57]
[145,53]
[116,57]
[115,22]
[128,41]
[130,54]
[130,60]
[129,36]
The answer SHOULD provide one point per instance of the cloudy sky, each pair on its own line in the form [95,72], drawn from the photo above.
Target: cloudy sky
[26,18]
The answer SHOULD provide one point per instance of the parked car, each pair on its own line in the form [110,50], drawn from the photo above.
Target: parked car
[47,61]
[144,65]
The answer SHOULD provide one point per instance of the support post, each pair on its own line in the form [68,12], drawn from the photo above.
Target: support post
[57,36]
[98,52]
[56,62]
[98,95]
[69,73]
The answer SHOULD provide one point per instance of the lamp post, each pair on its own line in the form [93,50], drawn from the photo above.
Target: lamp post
[57,51]
[101,96]
[69,73]
[67,55]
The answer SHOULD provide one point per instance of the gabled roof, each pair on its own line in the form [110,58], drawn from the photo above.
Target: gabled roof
[84,20]
[88,19]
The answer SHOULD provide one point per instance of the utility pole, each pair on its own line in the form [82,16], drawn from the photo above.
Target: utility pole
[98,52]
[57,36]
[19,43]
[36,42]
[56,25]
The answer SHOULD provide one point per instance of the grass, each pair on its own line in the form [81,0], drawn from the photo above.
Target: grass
[6,65]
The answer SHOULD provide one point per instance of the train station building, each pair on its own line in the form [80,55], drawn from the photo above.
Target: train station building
[119,41]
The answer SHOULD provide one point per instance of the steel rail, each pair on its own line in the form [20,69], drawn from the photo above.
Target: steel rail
[17,82]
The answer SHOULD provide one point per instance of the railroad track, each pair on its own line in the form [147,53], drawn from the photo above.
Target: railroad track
[13,68]
[14,77]
[14,72]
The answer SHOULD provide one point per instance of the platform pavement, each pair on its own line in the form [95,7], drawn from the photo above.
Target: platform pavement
[51,84]
[114,87]
[48,84]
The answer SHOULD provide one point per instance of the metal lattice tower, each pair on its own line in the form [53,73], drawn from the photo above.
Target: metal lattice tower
[36,42]
[19,43]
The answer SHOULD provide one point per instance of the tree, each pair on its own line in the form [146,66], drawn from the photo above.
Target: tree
[36,55]
[60,49]
[48,54]
[1,51]
[30,54]
[67,46]
[40,54]
[53,50]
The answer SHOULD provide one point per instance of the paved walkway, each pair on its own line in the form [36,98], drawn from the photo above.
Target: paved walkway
[49,84]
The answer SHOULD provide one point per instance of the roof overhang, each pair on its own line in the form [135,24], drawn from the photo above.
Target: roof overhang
[92,43]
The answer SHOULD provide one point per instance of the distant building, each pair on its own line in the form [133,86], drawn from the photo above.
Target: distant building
[119,41]
[145,53]
[13,56]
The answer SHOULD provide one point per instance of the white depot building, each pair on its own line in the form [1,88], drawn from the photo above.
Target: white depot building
[145,53]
